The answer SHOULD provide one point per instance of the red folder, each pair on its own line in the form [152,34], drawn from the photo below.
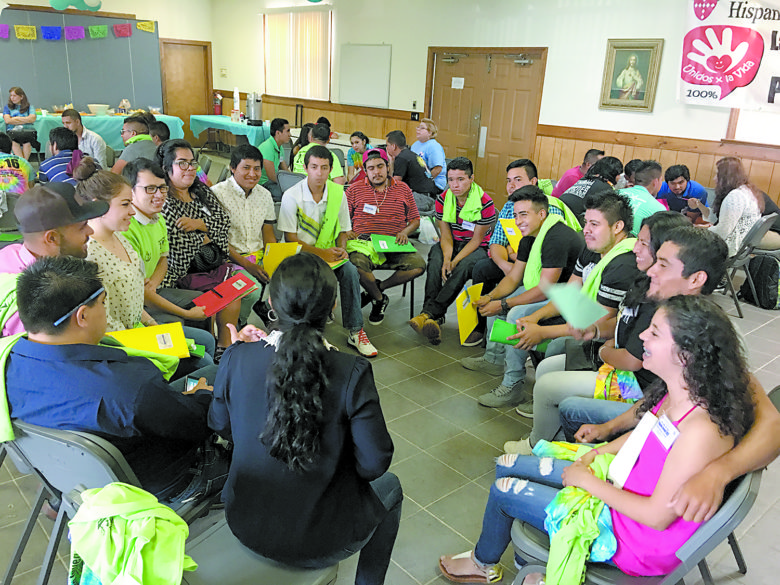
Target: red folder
[222,295]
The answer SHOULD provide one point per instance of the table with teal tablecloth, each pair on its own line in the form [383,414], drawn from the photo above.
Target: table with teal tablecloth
[255,134]
[108,127]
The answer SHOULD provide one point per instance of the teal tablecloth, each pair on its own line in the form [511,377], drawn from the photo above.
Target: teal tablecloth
[255,134]
[108,127]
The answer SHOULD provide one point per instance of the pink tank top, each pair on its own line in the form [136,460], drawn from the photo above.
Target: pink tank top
[642,550]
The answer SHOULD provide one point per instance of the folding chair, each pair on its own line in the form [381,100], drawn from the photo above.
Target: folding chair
[287,179]
[339,154]
[205,163]
[410,284]
[224,174]
[533,546]
[223,559]
[743,255]
[66,462]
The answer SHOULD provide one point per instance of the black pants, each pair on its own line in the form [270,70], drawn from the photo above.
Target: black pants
[440,295]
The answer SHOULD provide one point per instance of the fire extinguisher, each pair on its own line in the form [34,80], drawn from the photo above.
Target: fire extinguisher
[217,104]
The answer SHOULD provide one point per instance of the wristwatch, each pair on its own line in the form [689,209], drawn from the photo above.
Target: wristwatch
[504,306]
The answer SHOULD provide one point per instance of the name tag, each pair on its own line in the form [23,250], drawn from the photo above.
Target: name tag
[666,432]
[467,225]
[383,244]
[369,209]
[510,231]
[164,341]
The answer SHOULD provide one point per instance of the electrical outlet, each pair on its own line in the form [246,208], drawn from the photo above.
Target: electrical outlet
[223,71]
[415,116]
[414,104]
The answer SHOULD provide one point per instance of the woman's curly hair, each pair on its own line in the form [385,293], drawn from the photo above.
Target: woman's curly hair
[715,368]
[303,292]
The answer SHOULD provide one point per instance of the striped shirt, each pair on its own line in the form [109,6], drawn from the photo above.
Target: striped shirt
[53,168]
[463,231]
[381,212]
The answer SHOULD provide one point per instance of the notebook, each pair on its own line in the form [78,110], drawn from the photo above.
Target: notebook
[167,339]
[223,294]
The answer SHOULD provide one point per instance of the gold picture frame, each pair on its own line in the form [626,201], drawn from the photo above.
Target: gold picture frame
[631,74]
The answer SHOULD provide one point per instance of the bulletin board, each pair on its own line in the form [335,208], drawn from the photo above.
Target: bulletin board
[364,75]
[84,71]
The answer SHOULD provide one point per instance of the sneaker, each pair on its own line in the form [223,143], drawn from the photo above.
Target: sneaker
[331,318]
[218,354]
[521,447]
[480,364]
[417,322]
[359,340]
[474,339]
[378,309]
[502,396]
[432,331]
[525,409]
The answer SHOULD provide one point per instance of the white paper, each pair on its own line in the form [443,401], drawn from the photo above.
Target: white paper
[458,82]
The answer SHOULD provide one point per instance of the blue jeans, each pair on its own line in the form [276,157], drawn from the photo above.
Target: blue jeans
[577,411]
[349,289]
[375,550]
[189,365]
[514,359]
[530,487]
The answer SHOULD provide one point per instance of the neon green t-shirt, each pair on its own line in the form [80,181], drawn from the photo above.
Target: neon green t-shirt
[150,242]
[299,167]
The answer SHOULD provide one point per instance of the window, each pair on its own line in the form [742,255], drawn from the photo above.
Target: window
[297,54]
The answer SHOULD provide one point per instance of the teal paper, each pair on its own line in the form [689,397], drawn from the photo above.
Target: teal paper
[579,310]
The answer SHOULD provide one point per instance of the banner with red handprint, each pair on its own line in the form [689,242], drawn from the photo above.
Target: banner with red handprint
[731,54]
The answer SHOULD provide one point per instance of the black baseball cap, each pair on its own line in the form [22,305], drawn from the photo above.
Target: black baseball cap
[52,205]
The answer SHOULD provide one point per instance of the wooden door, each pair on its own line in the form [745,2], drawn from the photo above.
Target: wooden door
[492,120]
[186,81]
[456,103]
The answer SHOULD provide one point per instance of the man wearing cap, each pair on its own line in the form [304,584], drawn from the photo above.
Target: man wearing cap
[54,223]
[381,205]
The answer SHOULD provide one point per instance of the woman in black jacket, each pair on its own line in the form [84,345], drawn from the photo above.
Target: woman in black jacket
[308,484]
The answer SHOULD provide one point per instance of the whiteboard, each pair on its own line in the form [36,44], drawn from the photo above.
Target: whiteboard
[364,76]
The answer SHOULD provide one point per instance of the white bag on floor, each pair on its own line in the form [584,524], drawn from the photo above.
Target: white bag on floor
[428,233]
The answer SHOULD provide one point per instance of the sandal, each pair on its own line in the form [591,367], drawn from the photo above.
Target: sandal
[488,574]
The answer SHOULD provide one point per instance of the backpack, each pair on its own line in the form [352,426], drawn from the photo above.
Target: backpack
[765,271]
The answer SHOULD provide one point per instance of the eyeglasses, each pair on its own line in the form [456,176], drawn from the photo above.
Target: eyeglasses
[88,300]
[187,164]
[152,189]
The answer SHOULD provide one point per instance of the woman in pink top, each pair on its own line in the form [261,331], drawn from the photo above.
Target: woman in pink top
[703,407]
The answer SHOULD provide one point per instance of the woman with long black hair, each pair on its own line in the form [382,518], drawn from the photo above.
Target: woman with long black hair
[308,484]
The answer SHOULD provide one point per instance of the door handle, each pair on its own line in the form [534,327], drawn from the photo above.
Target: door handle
[482,142]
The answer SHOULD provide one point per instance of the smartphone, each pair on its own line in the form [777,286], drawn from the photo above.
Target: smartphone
[189,384]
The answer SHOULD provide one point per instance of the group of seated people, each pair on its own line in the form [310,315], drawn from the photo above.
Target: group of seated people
[135,246]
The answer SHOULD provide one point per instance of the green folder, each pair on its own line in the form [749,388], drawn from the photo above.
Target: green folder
[10,237]
[501,330]
[384,244]
[195,349]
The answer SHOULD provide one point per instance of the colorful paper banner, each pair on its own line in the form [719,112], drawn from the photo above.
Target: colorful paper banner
[74,33]
[123,30]
[5,31]
[51,33]
[146,25]
[730,56]
[25,32]
[98,31]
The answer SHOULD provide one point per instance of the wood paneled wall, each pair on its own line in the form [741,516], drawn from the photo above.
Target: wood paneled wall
[559,148]
[373,122]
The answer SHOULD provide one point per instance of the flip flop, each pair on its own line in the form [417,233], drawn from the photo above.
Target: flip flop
[493,573]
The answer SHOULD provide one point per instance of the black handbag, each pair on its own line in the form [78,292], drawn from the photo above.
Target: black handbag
[209,257]
[583,356]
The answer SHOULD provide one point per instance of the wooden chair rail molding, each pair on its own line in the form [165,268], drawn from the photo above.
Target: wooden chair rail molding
[373,122]
[559,148]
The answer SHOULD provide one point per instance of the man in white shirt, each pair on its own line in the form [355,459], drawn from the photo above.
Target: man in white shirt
[302,219]
[252,216]
[90,143]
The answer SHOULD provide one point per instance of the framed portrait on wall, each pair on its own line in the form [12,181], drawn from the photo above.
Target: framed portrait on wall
[631,74]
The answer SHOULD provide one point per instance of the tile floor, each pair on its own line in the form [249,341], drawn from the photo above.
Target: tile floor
[445,446]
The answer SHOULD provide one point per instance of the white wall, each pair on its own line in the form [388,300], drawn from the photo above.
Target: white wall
[575,31]
[177,19]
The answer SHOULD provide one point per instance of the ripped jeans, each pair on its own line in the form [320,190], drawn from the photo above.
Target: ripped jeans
[524,486]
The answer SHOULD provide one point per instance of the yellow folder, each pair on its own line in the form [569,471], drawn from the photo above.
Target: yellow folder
[512,232]
[275,253]
[166,339]
[467,312]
